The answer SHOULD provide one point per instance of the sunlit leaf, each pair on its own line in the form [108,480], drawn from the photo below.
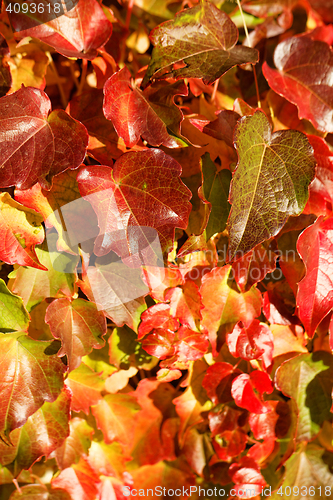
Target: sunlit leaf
[307,379]
[151,114]
[44,143]
[13,314]
[270,183]
[32,374]
[21,230]
[303,76]
[243,387]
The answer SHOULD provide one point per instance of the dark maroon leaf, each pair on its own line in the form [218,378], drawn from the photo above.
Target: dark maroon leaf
[204,38]
[42,144]
[217,381]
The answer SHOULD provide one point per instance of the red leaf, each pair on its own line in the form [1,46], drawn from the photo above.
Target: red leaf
[303,80]
[45,144]
[246,475]
[222,128]
[86,386]
[150,114]
[66,33]
[224,305]
[160,343]
[263,425]
[324,8]
[217,381]
[157,316]
[32,374]
[235,441]
[185,304]
[79,481]
[159,279]
[21,229]
[243,387]
[142,189]
[79,326]
[225,419]
[315,295]
[104,143]
[321,189]
[254,266]
[253,342]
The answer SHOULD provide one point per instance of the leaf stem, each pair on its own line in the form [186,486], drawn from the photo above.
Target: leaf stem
[249,44]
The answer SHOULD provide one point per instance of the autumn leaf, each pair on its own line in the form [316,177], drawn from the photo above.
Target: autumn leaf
[76,443]
[151,114]
[270,183]
[32,375]
[253,342]
[246,476]
[204,38]
[86,386]
[45,143]
[315,297]
[13,314]
[42,433]
[79,481]
[144,189]
[307,378]
[224,304]
[65,33]
[303,76]
[78,325]
[243,387]
[218,380]
[21,230]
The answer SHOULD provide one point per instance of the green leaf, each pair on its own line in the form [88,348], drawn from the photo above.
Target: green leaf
[270,183]
[126,351]
[13,314]
[308,379]
[215,190]
[86,386]
[307,471]
[204,38]
[31,374]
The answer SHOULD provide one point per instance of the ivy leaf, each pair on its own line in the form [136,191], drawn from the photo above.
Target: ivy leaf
[243,387]
[86,387]
[308,471]
[307,379]
[21,230]
[79,325]
[5,73]
[79,481]
[151,114]
[217,382]
[49,203]
[185,304]
[42,144]
[253,342]
[315,296]
[222,128]
[264,8]
[13,314]
[143,189]
[246,476]
[66,33]
[116,416]
[35,285]
[204,38]
[76,444]
[104,143]
[224,304]
[215,191]
[32,374]
[321,189]
[42,433]
[270,183]
[305,80]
